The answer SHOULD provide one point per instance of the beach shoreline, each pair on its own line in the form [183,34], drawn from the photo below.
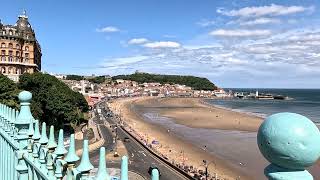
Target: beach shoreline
[184,126]
[132,113]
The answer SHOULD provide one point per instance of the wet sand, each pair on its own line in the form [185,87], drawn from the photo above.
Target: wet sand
[190,130]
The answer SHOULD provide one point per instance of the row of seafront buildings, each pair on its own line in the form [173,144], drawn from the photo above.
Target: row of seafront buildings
[127,88]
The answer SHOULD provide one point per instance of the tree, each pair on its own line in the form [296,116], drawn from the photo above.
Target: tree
[53,101]
[74,77]
[98,79]
[8,92]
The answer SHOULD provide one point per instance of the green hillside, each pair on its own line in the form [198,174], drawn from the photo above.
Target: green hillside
[196,83]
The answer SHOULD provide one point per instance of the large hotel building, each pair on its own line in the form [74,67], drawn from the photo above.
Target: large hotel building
[20,51]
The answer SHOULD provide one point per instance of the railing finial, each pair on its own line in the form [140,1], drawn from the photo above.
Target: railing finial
[85,165]
[72,156]
[102,171]
[44,137]
[154,174]
[25,115]
[60,150]
[52,142]
[36,134]
[290,142]
[124,168]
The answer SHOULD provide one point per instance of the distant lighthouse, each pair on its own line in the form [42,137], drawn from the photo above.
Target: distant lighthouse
[257,93]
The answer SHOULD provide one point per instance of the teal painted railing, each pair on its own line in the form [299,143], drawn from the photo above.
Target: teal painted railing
[25,154]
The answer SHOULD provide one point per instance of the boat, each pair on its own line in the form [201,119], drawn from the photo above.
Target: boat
[279,97]
[265,97]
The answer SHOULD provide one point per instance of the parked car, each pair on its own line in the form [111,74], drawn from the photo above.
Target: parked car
[126,139]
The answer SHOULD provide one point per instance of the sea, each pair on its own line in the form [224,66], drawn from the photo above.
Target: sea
[302,101]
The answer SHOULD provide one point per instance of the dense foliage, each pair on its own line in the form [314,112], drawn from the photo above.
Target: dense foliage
[74,77]
[196,83]
[8,92]
[53,101]
[98,79]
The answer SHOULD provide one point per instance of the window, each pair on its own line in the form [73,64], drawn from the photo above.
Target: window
[9,70]
[27,48]
[3,70]
[10,56]
[3,45]
[26,59]
[3,53]
[17,53]
[10,33]
[10,45]
[17,46]
[18,70]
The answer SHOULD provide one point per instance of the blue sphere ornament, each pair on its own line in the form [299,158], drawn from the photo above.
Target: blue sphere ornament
[25,96]
[289,140]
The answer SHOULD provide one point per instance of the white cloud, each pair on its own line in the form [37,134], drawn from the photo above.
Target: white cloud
[240,33]
[138,41]
[292,58]
[206,23]
[108,29]
[162,44]
[169,36]
[260,21]
[123,61]
[271,10]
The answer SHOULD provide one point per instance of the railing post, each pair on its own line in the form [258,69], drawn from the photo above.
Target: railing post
[290,142]
[29,148]
[21,125]
[51,146]
[85,165]
[71,158]
[43,147]
[60,152]
[36,147]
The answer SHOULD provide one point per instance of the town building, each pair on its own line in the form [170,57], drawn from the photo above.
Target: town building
[20,51]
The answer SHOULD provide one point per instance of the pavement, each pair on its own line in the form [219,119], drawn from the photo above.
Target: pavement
[140,159]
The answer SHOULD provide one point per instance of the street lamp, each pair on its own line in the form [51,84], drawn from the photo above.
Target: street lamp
[206,165]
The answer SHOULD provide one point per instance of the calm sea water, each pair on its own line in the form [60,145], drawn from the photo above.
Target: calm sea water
[305,102]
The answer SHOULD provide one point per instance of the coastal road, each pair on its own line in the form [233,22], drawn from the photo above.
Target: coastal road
[140,159]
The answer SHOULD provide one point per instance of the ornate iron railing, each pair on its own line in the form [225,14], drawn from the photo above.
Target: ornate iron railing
[25,154]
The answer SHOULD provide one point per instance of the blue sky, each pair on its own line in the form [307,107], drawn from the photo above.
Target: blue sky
[240,43]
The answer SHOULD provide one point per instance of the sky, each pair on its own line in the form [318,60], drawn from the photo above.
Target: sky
[234,43]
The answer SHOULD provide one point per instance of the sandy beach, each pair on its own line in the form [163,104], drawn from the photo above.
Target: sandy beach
[190,131]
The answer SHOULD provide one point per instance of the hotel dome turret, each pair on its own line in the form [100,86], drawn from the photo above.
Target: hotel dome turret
[20,51]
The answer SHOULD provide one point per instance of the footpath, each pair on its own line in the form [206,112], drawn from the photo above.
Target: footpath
[98,139]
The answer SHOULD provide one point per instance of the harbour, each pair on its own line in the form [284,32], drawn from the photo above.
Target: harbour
[302,101]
